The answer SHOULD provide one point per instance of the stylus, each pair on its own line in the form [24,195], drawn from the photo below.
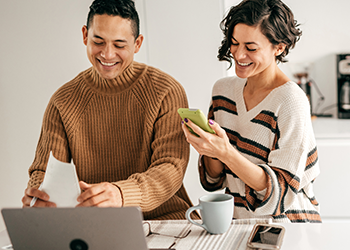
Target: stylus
[7,247]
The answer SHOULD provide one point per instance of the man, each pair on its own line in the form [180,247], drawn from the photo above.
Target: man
[118,121]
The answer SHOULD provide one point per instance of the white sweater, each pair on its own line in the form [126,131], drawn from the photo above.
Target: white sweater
[276,135]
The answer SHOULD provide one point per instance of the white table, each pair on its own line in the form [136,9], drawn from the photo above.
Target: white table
[235,238]
[299,236]
[323,236]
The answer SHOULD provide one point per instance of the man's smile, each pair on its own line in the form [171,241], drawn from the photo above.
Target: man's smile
[109,64]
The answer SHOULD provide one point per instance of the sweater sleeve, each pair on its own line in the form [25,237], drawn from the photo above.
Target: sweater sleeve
[292,163]
[208,183]
[170,154]
[52,138]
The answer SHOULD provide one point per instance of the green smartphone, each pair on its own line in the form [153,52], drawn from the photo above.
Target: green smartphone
[197,117]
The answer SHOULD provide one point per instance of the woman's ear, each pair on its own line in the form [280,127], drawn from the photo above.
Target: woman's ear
[279,49]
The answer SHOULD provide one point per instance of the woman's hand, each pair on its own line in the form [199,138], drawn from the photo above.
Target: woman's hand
[218,146]
[211,145]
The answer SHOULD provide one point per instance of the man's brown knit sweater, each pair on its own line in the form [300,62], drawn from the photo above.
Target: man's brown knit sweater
[125,131]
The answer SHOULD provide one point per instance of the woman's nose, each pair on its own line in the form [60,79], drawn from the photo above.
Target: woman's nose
[238,52]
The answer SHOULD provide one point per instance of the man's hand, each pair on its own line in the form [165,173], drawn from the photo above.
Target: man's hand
[103,194]
[42,198]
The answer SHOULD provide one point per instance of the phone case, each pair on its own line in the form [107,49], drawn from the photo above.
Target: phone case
[197,117]
[272,240]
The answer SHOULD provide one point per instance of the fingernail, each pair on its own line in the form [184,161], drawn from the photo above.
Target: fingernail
[186,120]
[211,122]
[182,122]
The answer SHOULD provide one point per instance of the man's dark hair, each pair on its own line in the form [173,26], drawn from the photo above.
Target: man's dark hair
[275,19]
[123,8]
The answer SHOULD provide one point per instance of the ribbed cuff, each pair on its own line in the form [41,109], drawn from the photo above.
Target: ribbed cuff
[36,178]
[212,180]
[131,193]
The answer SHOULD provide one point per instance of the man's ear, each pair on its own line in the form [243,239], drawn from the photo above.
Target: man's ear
[138,43]
[85,34]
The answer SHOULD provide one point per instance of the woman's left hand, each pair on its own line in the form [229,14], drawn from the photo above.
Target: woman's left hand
[212,145]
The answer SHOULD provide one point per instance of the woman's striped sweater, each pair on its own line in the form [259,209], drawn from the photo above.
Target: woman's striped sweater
[276,135]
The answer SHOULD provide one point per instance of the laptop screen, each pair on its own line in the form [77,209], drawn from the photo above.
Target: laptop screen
[75,228]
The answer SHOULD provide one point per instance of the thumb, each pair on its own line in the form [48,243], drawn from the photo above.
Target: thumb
[83,185]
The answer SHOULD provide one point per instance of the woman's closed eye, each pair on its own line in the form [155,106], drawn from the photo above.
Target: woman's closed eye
[250,49]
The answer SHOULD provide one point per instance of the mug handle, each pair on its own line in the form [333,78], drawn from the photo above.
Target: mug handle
[188,217]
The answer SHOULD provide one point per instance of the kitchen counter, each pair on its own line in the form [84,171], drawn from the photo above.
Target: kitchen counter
[331,128]
[332,185]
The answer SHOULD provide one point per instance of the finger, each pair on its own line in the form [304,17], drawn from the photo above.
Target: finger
[199,131]
[187,132]
[34,192]
[90,191]
[103,194]
[107,203]
[93,201]
[217,128]
[41,203]
[83,185]
[26,200]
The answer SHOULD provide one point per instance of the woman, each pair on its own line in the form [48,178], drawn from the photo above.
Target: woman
[264,150]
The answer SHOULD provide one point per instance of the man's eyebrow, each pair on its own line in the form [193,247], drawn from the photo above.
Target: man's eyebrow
[118,40]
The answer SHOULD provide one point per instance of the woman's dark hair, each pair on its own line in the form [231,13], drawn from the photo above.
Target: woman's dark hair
[123,8]
[275,19]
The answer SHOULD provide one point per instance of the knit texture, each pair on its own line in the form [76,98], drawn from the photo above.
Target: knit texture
[125,131]
[277,135]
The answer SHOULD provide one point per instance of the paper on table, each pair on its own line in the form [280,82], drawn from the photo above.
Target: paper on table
[5,242]
[60,183]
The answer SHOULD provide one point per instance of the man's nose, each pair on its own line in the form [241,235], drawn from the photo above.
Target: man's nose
[107,52]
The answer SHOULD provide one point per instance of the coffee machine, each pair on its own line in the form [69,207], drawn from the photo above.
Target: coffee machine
[305,84]
[343,84]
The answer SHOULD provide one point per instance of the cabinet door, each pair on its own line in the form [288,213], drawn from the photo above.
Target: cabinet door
[332,185]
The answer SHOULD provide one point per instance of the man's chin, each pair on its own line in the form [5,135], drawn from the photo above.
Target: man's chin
[108,75]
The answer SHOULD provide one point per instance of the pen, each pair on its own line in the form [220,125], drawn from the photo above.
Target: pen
[32,202]
[7,247]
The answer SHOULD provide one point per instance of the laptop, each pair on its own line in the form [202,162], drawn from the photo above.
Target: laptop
[86,228]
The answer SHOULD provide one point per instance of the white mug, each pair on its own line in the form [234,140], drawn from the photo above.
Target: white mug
[216,211]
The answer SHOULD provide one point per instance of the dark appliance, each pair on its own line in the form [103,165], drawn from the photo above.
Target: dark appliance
[305,84]
[343,84]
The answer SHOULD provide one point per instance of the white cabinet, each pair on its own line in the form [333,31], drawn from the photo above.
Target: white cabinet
[332,186]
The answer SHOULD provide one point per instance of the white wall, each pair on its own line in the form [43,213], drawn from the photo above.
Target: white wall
[41,48]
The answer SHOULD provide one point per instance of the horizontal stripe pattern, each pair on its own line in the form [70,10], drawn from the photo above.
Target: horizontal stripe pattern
[303,216]
[222,103]
[279,140]
[247,146]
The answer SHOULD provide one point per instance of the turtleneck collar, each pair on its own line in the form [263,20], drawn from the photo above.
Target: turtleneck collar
[112,86]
